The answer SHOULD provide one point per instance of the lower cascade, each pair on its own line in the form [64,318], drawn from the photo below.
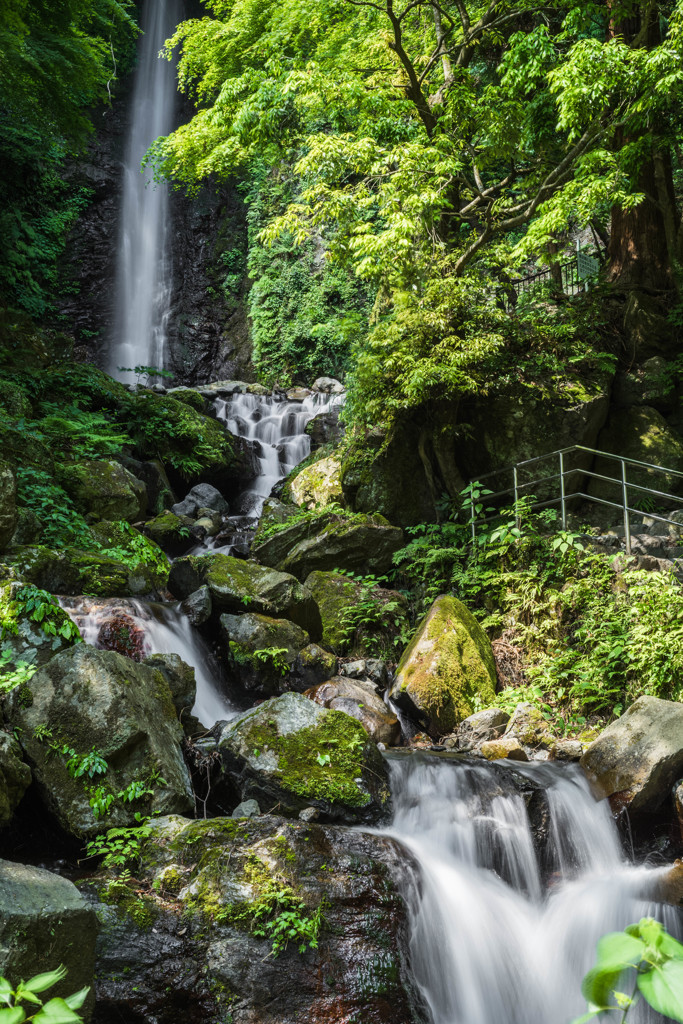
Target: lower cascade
[138,629]
[511,895]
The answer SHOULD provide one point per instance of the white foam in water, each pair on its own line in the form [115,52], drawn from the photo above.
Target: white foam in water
[491,942]
[166,630]
[143,263]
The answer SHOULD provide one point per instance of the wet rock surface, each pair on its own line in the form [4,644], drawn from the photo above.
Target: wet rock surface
[189,945]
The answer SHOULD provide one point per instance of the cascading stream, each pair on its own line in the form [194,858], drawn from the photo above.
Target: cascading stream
[143,264]
[140,628]
[494,938]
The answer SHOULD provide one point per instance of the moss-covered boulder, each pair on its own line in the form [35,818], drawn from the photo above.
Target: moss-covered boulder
[317,484]
[15,777]
[20,447]
[282,526]
[238,586]
[358,698]
[203,887]
[313,666]
[643,434]
[14,401]
[358,619]
[261,652]
[8,504]
[105,489]
[447,671]
[45,923]
[359,543]
[180,678]
[292,753]
[72,572]
[94,725]
[173,533]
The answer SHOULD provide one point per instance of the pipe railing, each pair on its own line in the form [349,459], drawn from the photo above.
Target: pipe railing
[622,484]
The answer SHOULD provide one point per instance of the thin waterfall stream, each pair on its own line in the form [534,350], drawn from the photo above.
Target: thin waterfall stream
[500,934]
[143,264]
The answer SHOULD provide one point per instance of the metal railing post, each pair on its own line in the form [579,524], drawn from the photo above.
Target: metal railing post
[514,477]
[624,498]
[562,498]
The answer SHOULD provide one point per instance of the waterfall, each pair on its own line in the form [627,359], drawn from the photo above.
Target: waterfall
[143,262]
[139,628]
[496,937]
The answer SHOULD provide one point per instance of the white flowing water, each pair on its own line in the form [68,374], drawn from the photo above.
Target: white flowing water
[143,263]
[493,941]
[140,628]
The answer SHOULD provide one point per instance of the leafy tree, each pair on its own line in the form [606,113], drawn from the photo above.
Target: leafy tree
[57,57]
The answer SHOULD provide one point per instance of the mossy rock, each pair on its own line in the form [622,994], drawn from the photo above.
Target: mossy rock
[643,434]
[21,449]
[15,777]
[174,534]
[359,544]
[338,597]
[447,672]
[293,753]
[14,400]
[242,636]
[238,586]
[105,489]
[282,527]
[317,484]
[88,700]
[188,396]
[72,572]
[28,640]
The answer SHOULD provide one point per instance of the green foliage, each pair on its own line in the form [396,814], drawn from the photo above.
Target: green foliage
[57,61]
[54,1011]
[41,607]
[649,960]
[62,524]
[119,847]
[274,657]
[13,673]
[280,915]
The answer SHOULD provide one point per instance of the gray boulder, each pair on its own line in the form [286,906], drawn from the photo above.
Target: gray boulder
[480,728]
[313,666]
[328,386]
[239,586]
[198,607]
[291,753]
[636,760]
[201,496]
[358,698]
[84,701]
[260,651]
[105,489]
[180,678]
[15,777]
[45,922]
[359,544]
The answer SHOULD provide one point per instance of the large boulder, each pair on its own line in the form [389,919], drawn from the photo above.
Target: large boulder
[359,698]
[180,678]
[359,543]
[643,434]
[448,670]
[188,937]
[8,505]
[481,727]
[357,618]
[71,572]
[45,923]
[15,777]
[317,484]
[261,652]
[637,758]
[292,753]
[201,496]
[282,526]
[87,702]
[239,586]
[105,489]
[173,533]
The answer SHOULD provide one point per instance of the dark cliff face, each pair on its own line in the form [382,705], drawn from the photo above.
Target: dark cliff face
[208,333]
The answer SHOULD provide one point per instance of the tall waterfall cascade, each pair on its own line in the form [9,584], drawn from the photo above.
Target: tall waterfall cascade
[143,259]
[495,936]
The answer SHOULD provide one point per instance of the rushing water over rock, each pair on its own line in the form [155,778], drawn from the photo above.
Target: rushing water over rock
[139,628]
[502,933]
[143,277]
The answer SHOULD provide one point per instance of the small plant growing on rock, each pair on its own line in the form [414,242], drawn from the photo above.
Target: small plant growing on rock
[275,657]
[54,1011]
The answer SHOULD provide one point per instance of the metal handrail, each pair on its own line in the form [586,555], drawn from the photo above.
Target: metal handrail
[563,498]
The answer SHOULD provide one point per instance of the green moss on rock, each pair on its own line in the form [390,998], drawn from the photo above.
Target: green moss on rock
[447,672]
